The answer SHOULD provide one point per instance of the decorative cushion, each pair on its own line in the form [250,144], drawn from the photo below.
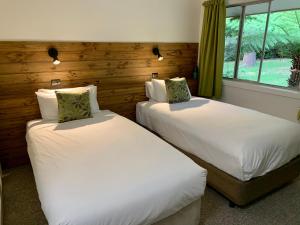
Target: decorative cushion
[73,106]
[157,90]
[180,79]
[177,91]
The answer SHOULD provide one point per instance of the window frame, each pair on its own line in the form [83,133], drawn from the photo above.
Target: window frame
[239,44]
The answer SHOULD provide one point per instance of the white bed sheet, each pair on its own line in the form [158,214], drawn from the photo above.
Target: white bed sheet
[108,170]
[242,142]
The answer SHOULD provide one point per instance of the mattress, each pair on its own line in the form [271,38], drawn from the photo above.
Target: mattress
[107,170]
[241,142]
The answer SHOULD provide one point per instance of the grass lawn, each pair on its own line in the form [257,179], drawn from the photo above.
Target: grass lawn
[274,71]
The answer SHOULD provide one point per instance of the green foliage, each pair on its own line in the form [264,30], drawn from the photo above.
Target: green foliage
[283,37]
[274,71]
[294,79]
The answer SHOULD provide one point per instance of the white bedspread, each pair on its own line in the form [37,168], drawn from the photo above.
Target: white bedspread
[109,171]
[242,142]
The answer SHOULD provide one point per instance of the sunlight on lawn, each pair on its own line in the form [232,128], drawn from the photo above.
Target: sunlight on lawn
[274,71]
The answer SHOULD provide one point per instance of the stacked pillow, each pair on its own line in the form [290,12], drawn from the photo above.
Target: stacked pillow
[68,104]
[173,90]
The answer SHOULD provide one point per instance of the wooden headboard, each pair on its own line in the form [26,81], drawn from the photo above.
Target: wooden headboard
[119,70]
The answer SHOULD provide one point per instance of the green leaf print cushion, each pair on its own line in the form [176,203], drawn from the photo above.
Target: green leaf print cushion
[177,91]
[73,106]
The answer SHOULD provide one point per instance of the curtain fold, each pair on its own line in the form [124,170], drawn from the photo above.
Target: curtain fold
[212,49]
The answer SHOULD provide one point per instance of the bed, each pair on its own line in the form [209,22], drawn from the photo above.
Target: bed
[247,153]
[107,170]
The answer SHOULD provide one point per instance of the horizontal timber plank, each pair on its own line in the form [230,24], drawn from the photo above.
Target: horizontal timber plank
[90,65]
[85,46]
[19,159]
[32,77]
[91,55]
[66,82]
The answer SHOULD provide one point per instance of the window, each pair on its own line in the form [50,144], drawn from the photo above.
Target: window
[262,43]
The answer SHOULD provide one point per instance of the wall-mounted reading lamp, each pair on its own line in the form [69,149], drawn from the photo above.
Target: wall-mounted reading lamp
[53,53]
[156,52]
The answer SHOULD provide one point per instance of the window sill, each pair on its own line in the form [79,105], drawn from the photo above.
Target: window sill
[262,88]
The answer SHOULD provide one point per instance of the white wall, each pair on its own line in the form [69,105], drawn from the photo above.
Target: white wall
[100,20]
[275,101]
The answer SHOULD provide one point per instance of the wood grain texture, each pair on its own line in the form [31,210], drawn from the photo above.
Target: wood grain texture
[118,69]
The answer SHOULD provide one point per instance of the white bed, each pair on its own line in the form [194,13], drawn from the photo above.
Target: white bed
[241,142]
[107,170]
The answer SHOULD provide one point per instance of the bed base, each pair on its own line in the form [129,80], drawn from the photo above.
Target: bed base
[241,193]
[189,215]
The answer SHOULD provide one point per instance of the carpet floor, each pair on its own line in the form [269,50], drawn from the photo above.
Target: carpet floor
[282,207]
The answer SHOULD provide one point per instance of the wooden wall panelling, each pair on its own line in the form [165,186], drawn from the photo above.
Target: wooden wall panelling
[118,69]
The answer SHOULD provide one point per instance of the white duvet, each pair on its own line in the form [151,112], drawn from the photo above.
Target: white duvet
[109,171]
[242,142]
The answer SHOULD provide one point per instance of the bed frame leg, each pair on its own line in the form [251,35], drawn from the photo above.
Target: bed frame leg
[232,204]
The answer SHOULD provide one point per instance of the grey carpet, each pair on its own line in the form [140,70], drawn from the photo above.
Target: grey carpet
[22,207]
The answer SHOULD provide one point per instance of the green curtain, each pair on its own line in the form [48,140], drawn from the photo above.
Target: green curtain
[212,49]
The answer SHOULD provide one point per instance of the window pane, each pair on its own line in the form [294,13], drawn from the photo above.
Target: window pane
[282,43]
[252,41]
[231,40]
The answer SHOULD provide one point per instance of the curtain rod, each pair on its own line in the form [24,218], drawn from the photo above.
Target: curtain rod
[248,3]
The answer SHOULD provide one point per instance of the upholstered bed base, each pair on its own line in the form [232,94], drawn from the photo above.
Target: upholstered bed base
[190,215]
[242,193]
[239,192]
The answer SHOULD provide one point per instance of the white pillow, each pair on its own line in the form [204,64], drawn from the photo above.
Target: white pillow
[159,89]
[149,89]
[92,91]
[48,105]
